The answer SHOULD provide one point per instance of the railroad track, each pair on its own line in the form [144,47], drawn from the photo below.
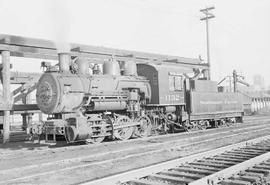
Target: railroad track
[94,161]
[223,166]
[60,169]
[149,143]
[62,148]
[253,174]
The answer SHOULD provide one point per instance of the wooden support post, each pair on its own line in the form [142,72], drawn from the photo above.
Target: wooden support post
[24,121]
[29,119]
[25,116]
[6,94]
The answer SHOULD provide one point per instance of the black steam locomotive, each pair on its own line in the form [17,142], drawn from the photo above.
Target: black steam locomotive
[137,101]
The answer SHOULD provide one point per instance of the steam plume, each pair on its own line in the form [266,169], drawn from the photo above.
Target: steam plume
[61,24]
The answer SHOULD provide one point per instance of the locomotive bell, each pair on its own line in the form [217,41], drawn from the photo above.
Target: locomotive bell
[130,68]
[111,67]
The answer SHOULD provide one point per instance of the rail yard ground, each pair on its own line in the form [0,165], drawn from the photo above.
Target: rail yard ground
[33,163]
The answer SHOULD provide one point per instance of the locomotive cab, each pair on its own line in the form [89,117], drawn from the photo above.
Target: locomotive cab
[167,106]
[166,81]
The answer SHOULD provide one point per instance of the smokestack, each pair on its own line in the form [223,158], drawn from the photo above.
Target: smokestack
[64,62]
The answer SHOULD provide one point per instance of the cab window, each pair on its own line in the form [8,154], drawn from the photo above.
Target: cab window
[175,83]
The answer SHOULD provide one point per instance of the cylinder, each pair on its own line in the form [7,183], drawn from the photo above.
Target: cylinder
[64,62]
[80,132]
[71,133]
[111,67]
[83,66]
[130,68]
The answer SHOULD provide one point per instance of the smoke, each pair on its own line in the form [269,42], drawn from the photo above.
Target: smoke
[59,15]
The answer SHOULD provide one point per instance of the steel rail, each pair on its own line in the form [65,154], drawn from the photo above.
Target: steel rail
[216,177]
[106,161]
[129,149]
[145,171]
[78,147]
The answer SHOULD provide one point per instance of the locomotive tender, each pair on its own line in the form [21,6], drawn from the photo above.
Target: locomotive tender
[140,100]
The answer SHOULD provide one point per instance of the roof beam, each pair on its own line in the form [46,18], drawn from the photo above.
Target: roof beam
[45,49]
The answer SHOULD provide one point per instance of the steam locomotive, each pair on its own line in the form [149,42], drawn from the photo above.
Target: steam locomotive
[137,101]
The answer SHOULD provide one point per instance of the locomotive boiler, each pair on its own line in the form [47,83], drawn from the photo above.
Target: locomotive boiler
[91,107]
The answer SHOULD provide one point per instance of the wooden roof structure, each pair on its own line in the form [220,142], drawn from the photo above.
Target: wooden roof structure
[45,49]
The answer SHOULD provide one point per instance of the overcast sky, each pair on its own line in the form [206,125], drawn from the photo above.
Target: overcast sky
[239,35]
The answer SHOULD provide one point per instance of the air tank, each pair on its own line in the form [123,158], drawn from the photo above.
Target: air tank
[111,67]
[130,68]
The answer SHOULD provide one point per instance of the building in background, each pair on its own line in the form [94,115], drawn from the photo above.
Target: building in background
[256,97]
[258,83]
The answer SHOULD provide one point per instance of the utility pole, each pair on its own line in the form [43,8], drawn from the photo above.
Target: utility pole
[208,15]
[236,79]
